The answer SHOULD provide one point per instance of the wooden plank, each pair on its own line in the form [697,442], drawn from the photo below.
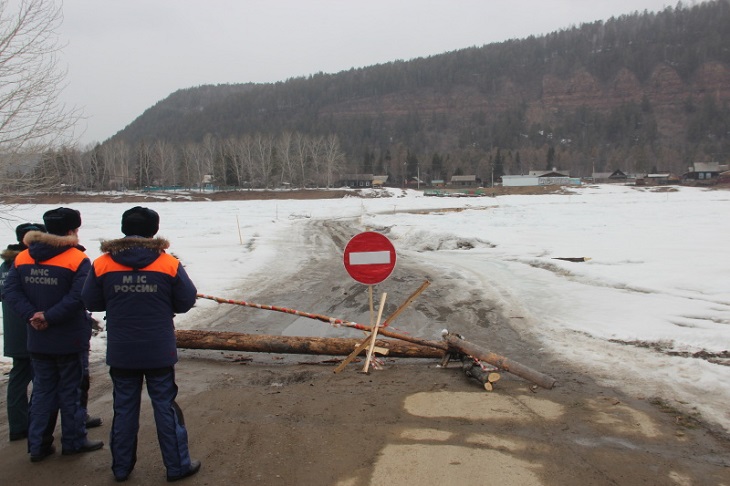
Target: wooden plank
[358,349]
[375,333]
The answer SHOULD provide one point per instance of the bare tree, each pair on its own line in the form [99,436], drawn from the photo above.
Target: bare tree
[316,159]
[208,152]
[32,117]
[264,154]
[116,157]
[95,167]
[193,167]
[144,165]
[286,157]
[248,158]
[240,152]
[301,156]
[165,157]
[333,157]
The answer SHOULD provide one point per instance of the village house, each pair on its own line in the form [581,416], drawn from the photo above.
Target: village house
[550,173]
[379,181]
[617,176]
[658,179]
[464,181]
[704,172]
[539,178]
[357,181]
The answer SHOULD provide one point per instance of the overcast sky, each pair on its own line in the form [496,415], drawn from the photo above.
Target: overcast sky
[123,56]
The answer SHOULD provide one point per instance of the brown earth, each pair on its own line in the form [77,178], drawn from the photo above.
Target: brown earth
[276,420]
[267,423]
[141,198]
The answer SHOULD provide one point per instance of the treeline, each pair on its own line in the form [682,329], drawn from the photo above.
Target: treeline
[249,161]
[386,115]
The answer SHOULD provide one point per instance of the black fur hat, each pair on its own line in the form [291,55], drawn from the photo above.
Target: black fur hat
[22,229]
[140,221]
[62,220]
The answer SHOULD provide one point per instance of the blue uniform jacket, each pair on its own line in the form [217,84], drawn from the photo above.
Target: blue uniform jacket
[141,288]
[48,277]
[15,334]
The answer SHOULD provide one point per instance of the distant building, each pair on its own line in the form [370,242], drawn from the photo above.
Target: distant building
[208,182]
[520,180]
[550,173]
[610,177]
[415,181]
[464,181]
[379,180]
[540,178]
[658,179]
[704,172]
[358,181]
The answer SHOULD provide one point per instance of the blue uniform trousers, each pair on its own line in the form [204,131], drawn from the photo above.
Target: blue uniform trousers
[171,433]
[20,377]
[56,387]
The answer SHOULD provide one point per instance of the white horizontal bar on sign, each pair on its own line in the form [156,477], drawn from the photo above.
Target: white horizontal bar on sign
[370,258]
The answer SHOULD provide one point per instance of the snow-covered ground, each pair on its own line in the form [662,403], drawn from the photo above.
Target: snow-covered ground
[657,275]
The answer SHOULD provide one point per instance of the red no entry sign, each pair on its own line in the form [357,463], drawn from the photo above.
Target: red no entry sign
[369,257]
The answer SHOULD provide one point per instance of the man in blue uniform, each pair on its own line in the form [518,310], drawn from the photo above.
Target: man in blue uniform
[15,340]
[44,288]
[141,287]
[15,337]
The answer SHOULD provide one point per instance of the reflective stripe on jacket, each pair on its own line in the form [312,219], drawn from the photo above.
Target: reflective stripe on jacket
[140,304]
[52,286]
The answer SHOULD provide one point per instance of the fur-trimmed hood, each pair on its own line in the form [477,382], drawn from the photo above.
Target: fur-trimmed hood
[50,239]
[121,244]
[9,254]
[44,246]
[135,251]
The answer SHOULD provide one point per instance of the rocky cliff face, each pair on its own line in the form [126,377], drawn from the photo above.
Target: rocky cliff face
[665,90]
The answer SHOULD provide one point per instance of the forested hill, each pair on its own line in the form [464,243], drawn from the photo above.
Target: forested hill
[641,92]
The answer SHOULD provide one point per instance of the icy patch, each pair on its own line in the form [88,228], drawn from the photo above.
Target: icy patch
[426,241]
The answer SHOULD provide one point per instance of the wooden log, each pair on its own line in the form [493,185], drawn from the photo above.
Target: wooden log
[465,347]
[414,340]
[331,320]
[264,343]
[472,369]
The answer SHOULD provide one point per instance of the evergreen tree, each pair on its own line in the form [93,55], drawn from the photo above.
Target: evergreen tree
[550,159]
[497,166]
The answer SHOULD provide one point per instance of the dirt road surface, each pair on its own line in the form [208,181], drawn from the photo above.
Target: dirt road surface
[275,420]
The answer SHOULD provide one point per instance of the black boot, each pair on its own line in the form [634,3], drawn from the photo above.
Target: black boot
[92,422]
